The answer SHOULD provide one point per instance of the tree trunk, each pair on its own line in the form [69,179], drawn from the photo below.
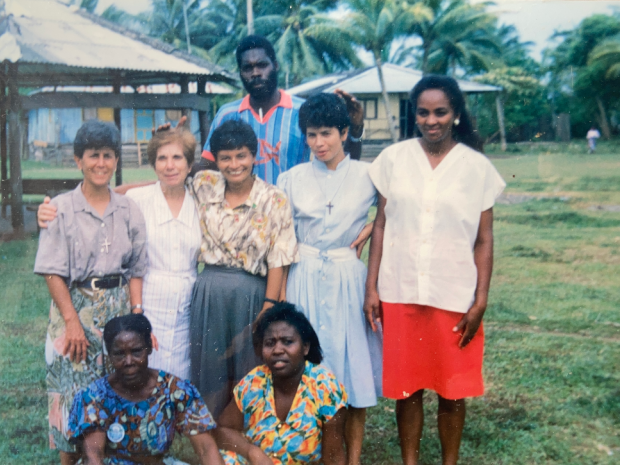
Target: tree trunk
[386,100]
[603,119]
[500,121]
[250,17]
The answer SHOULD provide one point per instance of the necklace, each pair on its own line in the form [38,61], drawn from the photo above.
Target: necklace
[329,203]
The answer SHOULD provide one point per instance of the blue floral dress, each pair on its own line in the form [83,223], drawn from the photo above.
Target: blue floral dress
[139,429]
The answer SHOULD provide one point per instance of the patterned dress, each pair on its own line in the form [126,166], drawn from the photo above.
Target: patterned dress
[298,439]
[78,245]
[147,428]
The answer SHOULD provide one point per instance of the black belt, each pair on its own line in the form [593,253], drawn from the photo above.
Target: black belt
[105,282]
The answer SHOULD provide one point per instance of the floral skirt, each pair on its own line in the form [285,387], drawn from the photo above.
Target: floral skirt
[64,377]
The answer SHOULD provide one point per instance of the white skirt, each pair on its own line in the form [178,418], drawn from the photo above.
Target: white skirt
[328,287]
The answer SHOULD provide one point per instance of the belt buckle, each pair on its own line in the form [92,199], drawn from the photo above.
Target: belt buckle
[93,286]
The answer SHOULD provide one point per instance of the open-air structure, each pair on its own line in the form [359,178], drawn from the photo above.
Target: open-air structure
[47,43]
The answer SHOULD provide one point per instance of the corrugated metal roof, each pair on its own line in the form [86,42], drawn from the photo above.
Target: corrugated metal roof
[47,32]
[398,79]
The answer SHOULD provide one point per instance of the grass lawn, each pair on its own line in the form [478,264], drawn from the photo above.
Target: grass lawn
[552,363]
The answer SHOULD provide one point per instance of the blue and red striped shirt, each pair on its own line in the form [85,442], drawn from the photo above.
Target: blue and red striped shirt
[281,144]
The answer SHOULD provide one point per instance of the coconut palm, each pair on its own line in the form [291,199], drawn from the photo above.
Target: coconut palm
[454,35]
[374,25]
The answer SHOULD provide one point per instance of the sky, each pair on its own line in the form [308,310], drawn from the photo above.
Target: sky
[536,20]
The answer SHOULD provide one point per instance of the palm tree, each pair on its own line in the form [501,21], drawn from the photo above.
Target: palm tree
[374,25]
[455,34]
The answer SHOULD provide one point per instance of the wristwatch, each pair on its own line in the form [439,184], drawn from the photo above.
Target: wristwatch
[137,307]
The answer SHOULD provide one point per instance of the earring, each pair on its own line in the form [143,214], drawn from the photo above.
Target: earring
[457,122]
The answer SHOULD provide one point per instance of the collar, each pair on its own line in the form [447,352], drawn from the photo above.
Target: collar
[162,210]
[322,167]
[219,188]
[286,101]
[80,204]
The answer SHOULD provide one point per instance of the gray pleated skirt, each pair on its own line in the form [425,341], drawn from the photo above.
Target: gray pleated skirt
[225,303]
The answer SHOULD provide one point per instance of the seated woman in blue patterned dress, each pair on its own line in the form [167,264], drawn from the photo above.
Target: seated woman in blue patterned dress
[291,410]
[130,416]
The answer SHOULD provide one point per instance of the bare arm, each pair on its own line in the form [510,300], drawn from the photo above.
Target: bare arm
[75,344]
[122,189]
[361,239]
[356,130]
[372,307]
[275,276]
[94,447]
[206,449]
[483,258]
[229,436]
[333,439]
[135,291]
[284,281]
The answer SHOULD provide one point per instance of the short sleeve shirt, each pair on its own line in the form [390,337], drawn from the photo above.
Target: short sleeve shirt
[281,144]
[80,244]
[146,428]
[298,439]
[256,236]
[432,219]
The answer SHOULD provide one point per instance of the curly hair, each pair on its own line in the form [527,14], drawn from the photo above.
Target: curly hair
[285,311]
[134,323]
[172,136]
[324,110]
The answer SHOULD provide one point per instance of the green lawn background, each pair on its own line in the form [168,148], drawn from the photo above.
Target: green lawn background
[552,361]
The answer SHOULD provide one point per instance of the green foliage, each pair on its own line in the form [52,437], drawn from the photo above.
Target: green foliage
[89,5]
[525,101]
[584,78]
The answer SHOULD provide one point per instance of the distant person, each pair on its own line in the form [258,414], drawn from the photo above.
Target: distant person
[93,258]
[132,415]
[592,135]
[430,264]
[273,113]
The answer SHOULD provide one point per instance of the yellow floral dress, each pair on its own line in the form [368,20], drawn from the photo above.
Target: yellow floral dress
[298,439]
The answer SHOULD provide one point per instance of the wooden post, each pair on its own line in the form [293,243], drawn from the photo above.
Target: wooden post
[187,112]
[5,187]
[500,120]
[203,116]
[15,156]
[117,121]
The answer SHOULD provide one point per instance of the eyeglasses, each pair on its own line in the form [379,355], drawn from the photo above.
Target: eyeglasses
[135,354]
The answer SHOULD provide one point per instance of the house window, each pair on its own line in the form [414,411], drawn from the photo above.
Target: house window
[370,108]
[144,123]
[89,113]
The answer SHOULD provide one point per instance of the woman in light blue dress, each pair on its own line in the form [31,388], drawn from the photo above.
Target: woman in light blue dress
[330,197]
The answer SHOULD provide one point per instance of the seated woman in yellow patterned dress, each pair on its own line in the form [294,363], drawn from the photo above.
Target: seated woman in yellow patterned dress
[291,410]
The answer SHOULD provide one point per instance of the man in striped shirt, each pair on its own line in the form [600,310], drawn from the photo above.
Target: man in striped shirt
[274,114]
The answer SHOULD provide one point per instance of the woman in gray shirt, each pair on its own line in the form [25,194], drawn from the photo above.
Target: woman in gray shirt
[93,257]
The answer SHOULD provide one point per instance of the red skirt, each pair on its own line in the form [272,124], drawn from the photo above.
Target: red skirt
[420,351]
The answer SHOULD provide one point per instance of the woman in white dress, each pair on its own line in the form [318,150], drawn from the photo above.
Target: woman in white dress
[330,197]
[173,243]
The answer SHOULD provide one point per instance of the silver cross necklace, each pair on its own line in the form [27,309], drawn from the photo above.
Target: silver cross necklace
[329,205]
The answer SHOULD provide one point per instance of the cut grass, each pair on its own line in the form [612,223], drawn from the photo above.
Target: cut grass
[552,361]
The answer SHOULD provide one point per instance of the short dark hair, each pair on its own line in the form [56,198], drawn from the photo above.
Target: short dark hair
[285,311]
[178,135]
[252,42]
[324,110]
[135,323]
[231,135]
[465,131]
[95,134]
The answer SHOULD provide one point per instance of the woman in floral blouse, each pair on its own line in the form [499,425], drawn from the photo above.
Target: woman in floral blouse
[247,239]
[290,410]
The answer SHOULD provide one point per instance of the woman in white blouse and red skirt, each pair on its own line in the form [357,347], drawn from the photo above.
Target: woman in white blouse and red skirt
[430,264]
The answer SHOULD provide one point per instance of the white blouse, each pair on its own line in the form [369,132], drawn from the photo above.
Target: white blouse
[432,219]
